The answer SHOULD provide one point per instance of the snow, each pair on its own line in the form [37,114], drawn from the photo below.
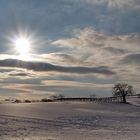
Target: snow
[134,100]
[70,121]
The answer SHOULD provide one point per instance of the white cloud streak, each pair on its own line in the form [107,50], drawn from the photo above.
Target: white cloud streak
[114,51]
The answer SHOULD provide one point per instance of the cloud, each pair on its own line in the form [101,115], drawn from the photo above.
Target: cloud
[115,50]
[99,48]
[47,87]
[118,52]
[73,84]
[22,91]
[90,38]
[41,66]
[132,4]
[21,74]
[132,59]
[86,37]
[8,90]
[61,59]
[17,73]
[68,15]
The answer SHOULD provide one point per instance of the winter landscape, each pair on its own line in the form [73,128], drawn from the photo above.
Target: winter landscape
[69,69]
[70,121]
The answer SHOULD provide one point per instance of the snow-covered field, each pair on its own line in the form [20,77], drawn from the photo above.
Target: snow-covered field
[70,121]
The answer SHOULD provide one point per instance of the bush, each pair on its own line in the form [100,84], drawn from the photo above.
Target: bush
[27,101]
[46,100]
[17,101]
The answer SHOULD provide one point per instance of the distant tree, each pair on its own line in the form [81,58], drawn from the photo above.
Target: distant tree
[7,100]
[60,96]
[46,100]
[27,101]
[122,90]
[53,97]
[92,95]
[17,101]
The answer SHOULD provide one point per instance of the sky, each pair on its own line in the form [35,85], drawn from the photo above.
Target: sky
[70,47]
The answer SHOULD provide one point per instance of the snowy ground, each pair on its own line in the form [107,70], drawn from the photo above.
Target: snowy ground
[70,121]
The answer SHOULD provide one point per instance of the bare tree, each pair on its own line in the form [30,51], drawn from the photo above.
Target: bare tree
[60,96]
[53,97]
[122,90]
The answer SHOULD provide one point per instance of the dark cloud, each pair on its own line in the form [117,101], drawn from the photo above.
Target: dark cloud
[132,59]
[41,66]
[5,70]
[115,50]
[65,57]
[19,74]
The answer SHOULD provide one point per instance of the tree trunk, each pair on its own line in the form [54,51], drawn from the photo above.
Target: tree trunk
[124,99]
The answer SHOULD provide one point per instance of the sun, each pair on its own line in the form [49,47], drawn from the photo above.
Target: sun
[22,46]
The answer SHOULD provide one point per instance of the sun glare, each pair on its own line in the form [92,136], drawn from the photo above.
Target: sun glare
[22,46]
